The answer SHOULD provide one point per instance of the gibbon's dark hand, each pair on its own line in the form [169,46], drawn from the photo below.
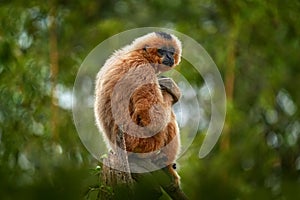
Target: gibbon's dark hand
[168,85]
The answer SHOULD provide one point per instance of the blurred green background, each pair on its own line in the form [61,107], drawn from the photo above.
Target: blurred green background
[255,44]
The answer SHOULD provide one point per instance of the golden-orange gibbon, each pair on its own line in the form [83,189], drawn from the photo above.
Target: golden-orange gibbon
[131,100]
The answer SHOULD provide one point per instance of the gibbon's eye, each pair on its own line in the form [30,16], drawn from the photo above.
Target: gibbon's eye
[171,51]
[161,52]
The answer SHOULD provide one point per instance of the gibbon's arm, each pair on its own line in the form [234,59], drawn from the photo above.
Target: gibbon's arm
[151,108]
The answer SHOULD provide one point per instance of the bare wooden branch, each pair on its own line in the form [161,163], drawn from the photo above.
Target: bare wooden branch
[139,185]
[110,176]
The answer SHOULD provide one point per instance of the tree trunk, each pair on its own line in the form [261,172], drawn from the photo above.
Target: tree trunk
[230,76]
[53,53]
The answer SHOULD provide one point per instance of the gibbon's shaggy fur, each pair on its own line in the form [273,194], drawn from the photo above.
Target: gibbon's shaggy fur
[130,100]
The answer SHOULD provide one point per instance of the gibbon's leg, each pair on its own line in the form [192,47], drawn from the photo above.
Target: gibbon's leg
[150,110]
[163,147]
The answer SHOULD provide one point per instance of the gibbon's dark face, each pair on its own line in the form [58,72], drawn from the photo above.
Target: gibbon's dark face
[162,50]
[167,55]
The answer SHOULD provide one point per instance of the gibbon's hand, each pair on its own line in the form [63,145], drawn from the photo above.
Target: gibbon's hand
[168,85]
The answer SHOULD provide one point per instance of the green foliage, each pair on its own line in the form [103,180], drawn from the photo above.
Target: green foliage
[263,125]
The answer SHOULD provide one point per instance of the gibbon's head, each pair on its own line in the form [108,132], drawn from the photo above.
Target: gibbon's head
[161,50]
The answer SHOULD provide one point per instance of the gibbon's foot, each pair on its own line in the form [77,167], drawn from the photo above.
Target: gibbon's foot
[174,166]
[168,85]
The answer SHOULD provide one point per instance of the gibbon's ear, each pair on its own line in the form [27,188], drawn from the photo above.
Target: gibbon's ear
[146,47]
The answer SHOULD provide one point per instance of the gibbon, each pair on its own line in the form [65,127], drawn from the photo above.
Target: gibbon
[131,100]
